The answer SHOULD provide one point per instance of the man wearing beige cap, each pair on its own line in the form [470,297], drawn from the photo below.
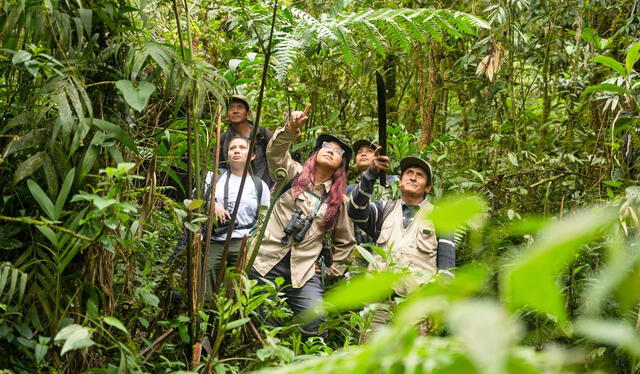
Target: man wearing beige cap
[395,226]
[238,114]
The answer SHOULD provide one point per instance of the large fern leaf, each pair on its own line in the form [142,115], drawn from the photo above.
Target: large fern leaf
[379,29]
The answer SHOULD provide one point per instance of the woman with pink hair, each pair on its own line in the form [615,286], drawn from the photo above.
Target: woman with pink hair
[311,213]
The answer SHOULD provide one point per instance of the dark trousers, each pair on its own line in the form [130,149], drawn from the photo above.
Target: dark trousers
[298,299]
[214,258]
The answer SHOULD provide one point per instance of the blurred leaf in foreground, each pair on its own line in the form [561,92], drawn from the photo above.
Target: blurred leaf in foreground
[530,282]
[454,212]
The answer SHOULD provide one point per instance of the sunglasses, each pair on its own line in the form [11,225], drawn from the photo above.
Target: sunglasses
[334,149]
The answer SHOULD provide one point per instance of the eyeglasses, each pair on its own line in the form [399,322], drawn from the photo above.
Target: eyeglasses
[331,147]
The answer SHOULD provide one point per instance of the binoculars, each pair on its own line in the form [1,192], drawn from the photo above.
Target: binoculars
[297,227]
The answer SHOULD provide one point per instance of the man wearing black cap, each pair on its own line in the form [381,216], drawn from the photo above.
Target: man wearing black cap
[413,242]
[238,114]
[364,152]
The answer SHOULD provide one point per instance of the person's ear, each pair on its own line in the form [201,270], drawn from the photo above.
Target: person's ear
[249,114]
[253,157]
[427,189]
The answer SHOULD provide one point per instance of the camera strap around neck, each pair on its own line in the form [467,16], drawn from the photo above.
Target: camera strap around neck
[319,201]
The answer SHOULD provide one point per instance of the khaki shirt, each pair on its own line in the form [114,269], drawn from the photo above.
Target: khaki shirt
[305,253]
[414,247]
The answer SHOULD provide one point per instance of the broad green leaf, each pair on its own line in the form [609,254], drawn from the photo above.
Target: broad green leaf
[513,159]
[486,331]
[20,57]
[149,298]
[74,337]
[137,96]
[117,132]
[26,141]
[192,227]
[114,322]
[610,62]
[453,212]
[49,234]
[435,297]
[360,290]
[64,191]
[632,57]
[530,282]
[40,352]
[237,323]
[43,200]
[366,254]
[102,202]
[603,87]
[28,167]
[195,204]
[616,333]
[79,339]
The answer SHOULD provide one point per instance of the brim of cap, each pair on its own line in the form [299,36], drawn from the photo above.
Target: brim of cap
[362,143]
[410,161]
[348,153]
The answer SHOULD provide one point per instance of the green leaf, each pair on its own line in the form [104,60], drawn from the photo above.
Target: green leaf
[49,234]
[513,159]
[114,322]
[74,337]
[136,96]
[530,282]
[117,132]
[149,298]
[29,166]
[453,212]
[192,227]
[43,200]
[365,254]
[195,204]
[363,289]
[603,87]
[20,57]
[632,56]
[235,324]
[610,62]
[102,202]
[64,191]
[40,352]
[615,333]
[486,331]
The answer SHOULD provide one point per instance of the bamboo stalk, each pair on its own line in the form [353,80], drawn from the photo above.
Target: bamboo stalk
[212,199]
[254,133]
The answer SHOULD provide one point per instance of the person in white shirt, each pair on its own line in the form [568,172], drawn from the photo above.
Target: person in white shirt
[255,194]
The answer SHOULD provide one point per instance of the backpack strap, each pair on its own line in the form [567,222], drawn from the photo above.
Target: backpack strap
[388,208]
[257,182]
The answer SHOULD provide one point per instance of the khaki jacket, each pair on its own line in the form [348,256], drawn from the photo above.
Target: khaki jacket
[305,253]
[414,247]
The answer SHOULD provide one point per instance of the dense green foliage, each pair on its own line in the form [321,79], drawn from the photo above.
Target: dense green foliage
[107,108]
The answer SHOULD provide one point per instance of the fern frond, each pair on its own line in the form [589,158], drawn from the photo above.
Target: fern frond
[12,279]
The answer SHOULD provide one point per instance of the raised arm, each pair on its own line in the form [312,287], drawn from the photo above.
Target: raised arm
[363,212]
[278,148]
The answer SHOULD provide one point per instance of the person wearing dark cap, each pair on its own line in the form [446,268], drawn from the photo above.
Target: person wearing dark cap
[238,114]
[397,227]
[312,210]
[413,242]
[364,153]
